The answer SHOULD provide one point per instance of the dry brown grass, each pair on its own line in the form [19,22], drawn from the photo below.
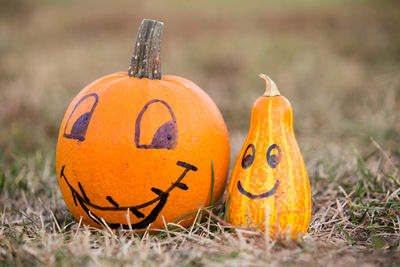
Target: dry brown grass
[337,63]
[356,220]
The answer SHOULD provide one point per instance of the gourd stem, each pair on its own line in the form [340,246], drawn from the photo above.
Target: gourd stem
[145,62]
[270,87]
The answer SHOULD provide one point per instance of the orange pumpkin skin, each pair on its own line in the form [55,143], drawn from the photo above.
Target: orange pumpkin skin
[105,167]
[270,188]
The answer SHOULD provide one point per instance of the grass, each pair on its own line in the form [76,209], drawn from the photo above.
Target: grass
[337,63]
[356,219]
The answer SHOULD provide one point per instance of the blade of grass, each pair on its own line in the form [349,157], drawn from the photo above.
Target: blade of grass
[226,206]
[173,230]
[352,217]
[212,184]
[394,179]
[200,217]
[27,216]
[259,225]
[380,227]
[347,235]
[368,208]
[187,214]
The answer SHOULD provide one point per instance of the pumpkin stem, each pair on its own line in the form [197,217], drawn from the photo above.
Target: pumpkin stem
[145,62]
[270,87]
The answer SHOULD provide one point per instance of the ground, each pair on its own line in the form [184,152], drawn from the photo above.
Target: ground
[337,62]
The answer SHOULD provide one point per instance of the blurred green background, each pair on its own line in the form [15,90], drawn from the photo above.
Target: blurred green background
[338,62]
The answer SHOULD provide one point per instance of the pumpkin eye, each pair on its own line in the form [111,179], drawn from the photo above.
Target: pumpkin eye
[248,158]
[79,119]
[166,135]
[274,159]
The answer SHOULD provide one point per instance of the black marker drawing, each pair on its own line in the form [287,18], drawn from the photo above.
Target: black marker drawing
[273,160]
[78,129]
[166,135]
[247,160]
[162,197]
[263,195]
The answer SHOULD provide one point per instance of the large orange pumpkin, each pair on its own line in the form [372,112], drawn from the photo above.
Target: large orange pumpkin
[141,144]
[269,186]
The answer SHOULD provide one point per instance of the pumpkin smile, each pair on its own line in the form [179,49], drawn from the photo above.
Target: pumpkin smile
[162,197]
[262,195]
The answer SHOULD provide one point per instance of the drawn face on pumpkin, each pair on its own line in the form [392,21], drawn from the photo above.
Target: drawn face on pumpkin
[165,138]
[273,157]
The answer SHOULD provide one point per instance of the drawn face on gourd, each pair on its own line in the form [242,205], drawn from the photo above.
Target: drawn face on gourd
[272,160]
[135,151]
[269,186]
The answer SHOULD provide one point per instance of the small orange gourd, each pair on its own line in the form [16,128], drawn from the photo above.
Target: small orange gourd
[136,148]
[269,186]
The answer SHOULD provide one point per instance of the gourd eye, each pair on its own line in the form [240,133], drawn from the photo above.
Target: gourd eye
[248,158]
[80,116]
[274,159]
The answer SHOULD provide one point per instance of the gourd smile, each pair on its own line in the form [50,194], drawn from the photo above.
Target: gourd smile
[162,198]
[263,195]
[273,161]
